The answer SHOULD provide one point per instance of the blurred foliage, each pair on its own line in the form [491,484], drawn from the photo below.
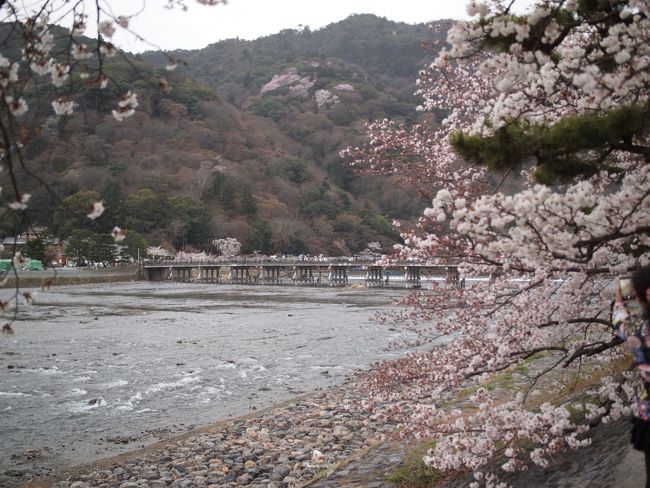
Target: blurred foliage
[88,246]
[247,202]
[102,248]
[145,211]
[379,224]
[195,216]
[296,171]
[79,244]
[293,246]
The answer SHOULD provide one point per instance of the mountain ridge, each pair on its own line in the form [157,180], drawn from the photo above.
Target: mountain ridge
[260,160]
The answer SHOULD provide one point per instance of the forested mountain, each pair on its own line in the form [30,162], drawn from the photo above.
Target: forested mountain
[245,144]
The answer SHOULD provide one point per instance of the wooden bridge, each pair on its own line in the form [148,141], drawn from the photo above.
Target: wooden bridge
[310,273]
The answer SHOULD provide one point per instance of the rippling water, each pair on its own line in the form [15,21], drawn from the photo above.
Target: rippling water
[91,367]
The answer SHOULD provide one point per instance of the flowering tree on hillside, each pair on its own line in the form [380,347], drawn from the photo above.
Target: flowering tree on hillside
[158,252]
[228,247]
[560,95]
[45,70]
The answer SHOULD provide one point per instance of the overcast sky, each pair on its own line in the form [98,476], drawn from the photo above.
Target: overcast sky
[250,19]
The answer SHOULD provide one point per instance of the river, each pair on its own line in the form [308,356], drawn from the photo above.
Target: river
[95,370]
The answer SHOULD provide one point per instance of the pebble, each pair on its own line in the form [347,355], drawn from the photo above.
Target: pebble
[288,446]
[283,447]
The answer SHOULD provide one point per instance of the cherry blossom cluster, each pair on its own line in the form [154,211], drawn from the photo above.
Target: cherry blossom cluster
[45,59]
[158,252]
[542,334]
[473,436]
[197,257]
[228,247]
[580,62]
[584,224]
[418,153]
[537,263]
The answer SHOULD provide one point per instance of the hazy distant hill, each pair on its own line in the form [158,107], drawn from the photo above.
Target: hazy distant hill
[389,52]
[250,133]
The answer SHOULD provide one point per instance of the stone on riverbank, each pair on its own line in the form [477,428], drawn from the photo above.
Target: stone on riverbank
[283,447]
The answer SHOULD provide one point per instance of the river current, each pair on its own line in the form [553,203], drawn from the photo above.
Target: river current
[98,369]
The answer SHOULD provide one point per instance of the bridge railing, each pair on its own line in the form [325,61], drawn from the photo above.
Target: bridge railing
[292,261]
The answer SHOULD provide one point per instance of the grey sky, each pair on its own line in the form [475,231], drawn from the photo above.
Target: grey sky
[250,19]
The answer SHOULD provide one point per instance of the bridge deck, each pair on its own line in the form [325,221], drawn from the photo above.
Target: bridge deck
[288,264]
[327,273]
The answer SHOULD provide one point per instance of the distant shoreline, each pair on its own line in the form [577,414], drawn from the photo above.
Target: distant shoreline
[73,276]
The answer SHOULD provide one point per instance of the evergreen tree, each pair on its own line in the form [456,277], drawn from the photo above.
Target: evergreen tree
[73,212]
[223,189]
[134,245]
[78,244]
[146,212]
[294,245]
[113,198]
[248,205]
[102,249]
[193,222]
[259,239]
[35,248]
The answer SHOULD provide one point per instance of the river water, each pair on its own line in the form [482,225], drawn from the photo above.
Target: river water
[95,370]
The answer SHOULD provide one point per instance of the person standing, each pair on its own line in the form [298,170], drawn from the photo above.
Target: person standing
[634,328]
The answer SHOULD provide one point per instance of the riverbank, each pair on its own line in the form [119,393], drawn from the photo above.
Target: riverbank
[286,445]
[320,441]
[72,276]
[609,462]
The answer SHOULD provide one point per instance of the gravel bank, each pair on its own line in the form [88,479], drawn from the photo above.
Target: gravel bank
[318,441]
[281,447]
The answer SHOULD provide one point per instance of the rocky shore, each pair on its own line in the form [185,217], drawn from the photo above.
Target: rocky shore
[320,441]
[285,446]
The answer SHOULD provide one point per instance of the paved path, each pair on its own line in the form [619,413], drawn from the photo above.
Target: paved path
[609,462]
[630,472]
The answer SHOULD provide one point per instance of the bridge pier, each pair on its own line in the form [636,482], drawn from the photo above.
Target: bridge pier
[157,274]
[412,277]
[270,275]
[208,274]
[303,275]
[184,275]
[239,275]
[337,276]
[375,277]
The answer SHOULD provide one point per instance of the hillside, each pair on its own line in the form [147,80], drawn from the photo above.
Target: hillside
[245,144]
[320,87]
